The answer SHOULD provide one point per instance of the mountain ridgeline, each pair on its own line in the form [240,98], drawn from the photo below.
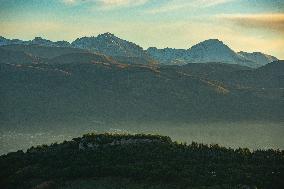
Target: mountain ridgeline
[211,50]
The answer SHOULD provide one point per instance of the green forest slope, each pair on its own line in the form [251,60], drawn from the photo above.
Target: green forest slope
[140,161]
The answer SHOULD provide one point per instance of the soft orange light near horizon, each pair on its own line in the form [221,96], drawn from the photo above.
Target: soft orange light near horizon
[269,21]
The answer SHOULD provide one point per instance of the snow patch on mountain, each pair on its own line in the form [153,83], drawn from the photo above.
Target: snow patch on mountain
[259,58]
[110,45]
[211,50]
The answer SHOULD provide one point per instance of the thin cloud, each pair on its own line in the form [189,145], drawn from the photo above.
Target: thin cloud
[112,3]
[272,22]
[175,5]
[108,4]
[70,2]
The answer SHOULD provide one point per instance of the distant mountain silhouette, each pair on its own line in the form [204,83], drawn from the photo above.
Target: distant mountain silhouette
[258,57]
[110,45]
[36,41]
[211,50]
[4,41]
[168,56]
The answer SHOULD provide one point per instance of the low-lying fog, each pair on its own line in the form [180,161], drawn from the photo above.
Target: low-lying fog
[251,135]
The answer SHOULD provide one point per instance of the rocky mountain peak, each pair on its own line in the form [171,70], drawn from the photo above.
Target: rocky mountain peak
[210,44]
[107,35]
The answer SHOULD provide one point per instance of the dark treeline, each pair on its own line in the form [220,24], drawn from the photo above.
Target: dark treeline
[159,160]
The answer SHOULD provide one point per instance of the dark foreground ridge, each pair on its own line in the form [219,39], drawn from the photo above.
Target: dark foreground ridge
[140,161]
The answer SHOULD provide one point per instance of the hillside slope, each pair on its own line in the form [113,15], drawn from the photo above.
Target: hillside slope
[43,51]
[147,160]
[78,88]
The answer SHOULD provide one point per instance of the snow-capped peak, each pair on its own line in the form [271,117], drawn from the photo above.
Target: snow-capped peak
[259,58]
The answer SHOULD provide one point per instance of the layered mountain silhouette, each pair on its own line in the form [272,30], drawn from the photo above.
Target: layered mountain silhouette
[110,45]
[36,41]
[258,57]
[212,50]
[48,85]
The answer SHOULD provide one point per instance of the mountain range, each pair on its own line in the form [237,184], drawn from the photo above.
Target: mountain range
[46,87]
[212,50]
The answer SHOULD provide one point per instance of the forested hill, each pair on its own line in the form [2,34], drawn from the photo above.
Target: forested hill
[149,161]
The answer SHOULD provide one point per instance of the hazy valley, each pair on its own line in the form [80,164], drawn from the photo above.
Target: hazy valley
[104,83]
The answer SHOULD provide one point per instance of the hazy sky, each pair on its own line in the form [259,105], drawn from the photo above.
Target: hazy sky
[249,25]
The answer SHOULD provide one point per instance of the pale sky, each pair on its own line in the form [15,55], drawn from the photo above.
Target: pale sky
[248,25]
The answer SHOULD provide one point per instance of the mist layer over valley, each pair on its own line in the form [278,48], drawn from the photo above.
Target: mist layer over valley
[264,135]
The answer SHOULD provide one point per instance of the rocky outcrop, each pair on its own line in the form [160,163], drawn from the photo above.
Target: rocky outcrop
[84,144]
